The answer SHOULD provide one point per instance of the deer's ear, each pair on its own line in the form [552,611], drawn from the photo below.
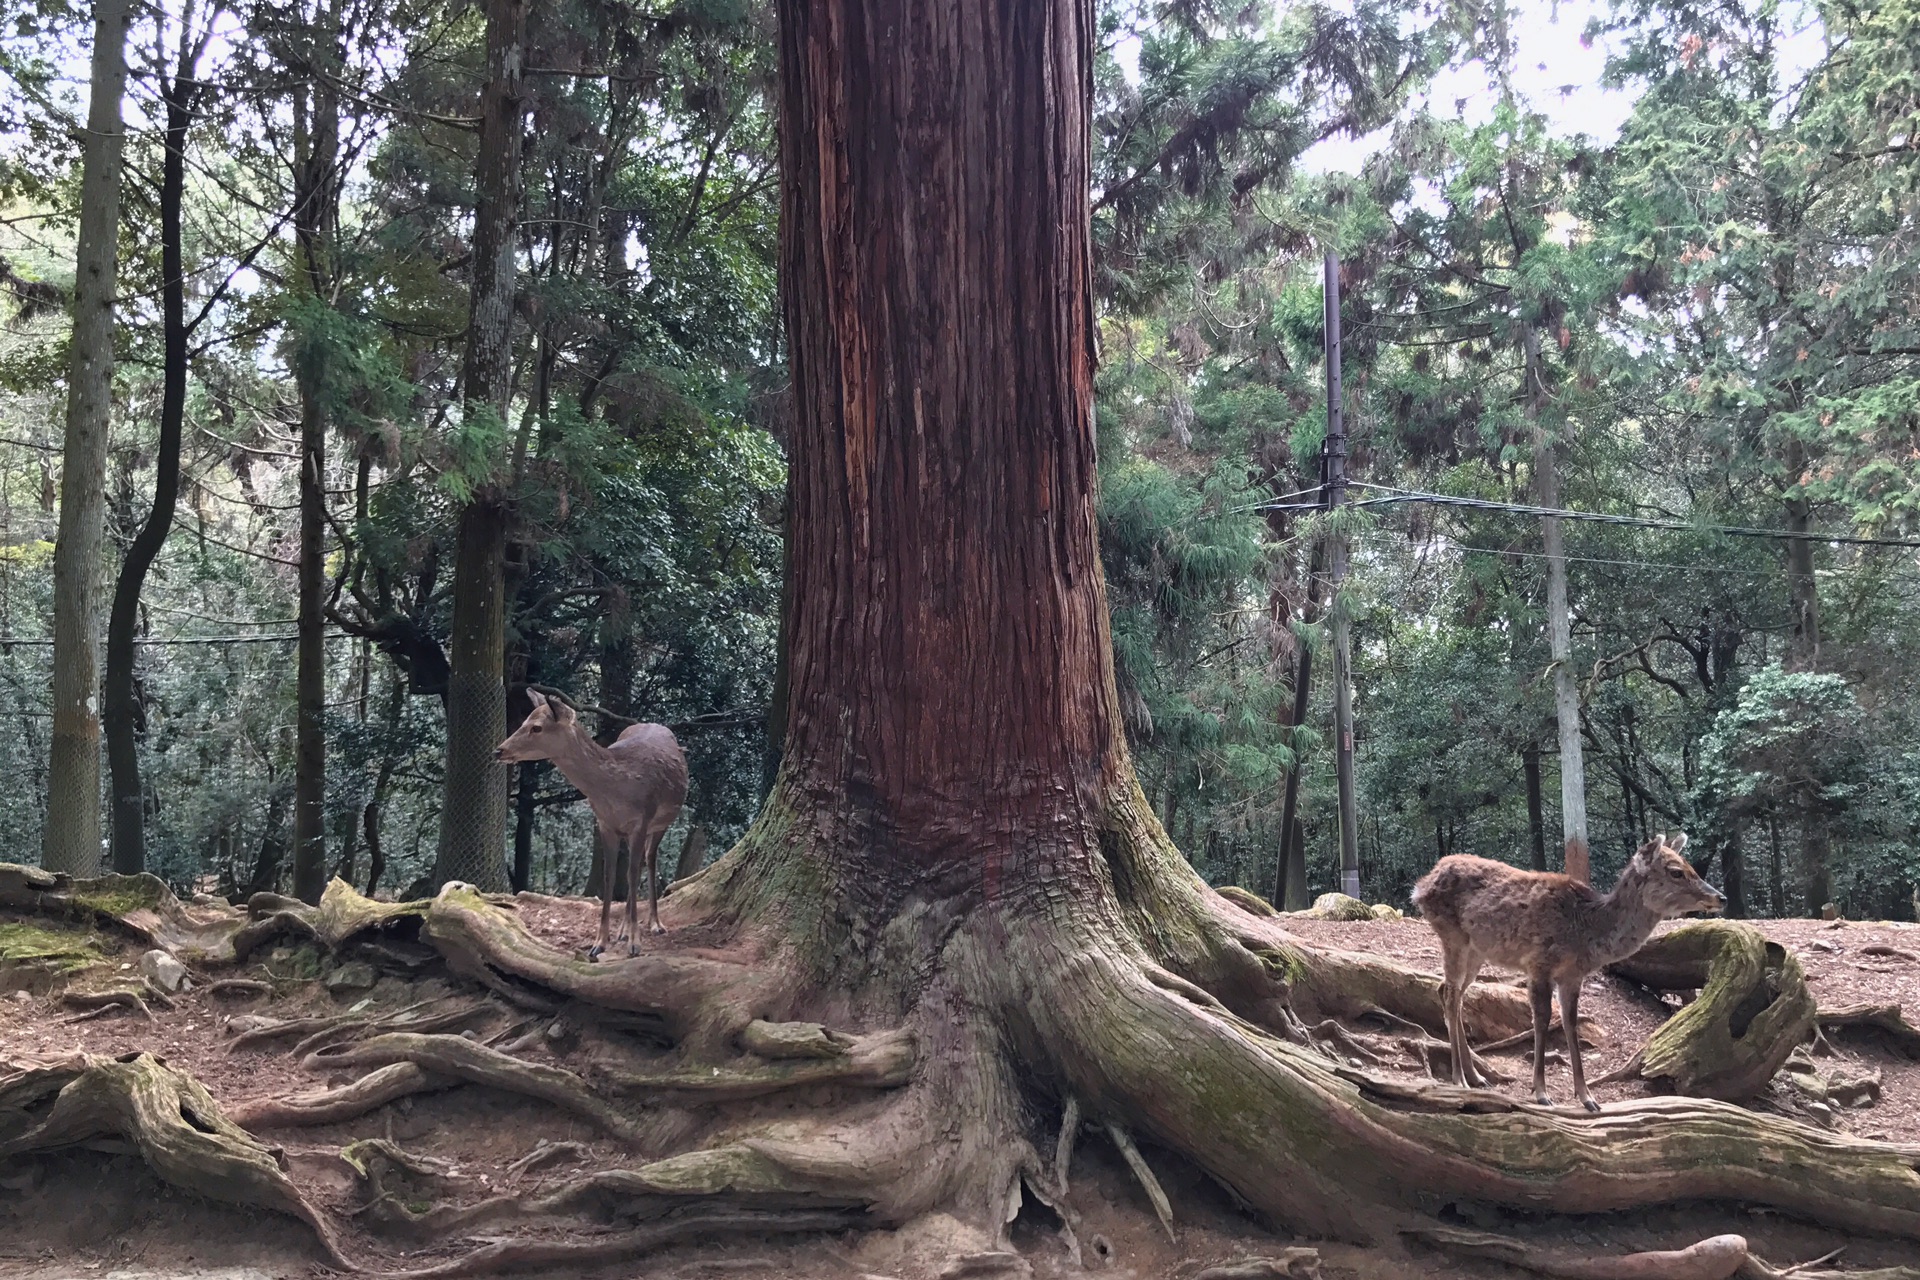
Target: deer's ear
[562,713]
[1644,853]
[1679,843]
[537,698]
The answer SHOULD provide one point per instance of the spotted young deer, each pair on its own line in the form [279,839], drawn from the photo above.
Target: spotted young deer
[635,788]
[1552,928]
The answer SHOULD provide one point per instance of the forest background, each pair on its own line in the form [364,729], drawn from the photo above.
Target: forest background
[1690,302]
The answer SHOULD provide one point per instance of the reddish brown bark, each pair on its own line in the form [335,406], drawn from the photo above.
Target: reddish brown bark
[949,656]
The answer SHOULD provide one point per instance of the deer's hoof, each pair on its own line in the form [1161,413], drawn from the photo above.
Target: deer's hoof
[656,928]
[593,952]
[1543,1099]
[1590,1105]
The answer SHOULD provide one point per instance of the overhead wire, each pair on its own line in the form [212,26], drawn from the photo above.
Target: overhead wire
[1394,497]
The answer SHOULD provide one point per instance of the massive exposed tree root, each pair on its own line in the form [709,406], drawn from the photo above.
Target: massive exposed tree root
[168,1117]
[1158,1013]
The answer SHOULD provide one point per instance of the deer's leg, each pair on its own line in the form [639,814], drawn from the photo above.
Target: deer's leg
[1570,1023]
[636,841]
[653,881]
[1462,967]
[1540,988]
[609,863]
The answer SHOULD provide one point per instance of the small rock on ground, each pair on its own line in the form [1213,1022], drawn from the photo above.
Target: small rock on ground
[354,976]
[163,971]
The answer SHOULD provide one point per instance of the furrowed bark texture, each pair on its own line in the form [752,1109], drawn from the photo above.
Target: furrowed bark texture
[473,822]
[948,645]
[70,842]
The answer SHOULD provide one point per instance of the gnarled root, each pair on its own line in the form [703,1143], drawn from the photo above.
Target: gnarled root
[462,1059]
[883,1060]
[169,1117]
[1882,1018]
[695,1224]
[1334,1151]
[1752,1011]
[696,1000]
[99,1003]
[1718,1258]
[331,1106]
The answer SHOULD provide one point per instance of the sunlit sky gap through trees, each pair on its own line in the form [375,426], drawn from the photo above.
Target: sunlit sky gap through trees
[1559,71]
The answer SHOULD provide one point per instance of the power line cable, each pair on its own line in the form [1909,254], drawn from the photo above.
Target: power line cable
[1395,497]
[1379,537]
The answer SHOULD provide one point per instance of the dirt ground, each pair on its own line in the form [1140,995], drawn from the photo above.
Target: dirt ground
[102,1214]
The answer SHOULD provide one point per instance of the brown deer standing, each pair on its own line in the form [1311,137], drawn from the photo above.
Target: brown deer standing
[635,788]
[1552,928]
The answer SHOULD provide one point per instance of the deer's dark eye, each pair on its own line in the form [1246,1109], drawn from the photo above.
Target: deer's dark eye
[534,728]
[1676,873]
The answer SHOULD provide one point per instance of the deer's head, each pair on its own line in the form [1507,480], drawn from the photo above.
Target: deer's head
[541,733]
[1674,888]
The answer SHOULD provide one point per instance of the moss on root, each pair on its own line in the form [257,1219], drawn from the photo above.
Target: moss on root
[1753,1009]
[63,950]
[168,1116]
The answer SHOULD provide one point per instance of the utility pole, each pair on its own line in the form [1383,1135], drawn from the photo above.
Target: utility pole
[1334,496]
[1566,694]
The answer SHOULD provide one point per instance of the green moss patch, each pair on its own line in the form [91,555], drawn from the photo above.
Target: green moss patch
[62,949]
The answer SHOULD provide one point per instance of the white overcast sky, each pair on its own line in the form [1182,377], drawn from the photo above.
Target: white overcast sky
[1556,73]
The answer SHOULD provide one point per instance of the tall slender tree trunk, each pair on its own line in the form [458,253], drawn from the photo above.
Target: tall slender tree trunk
[273,848]
[1733,872]
[70,840]
[1566,693]
[616,695]
[370,817]
[526,795]
[1776,873]
[122,713]
[473,821]
[1337,622]
[1290,884]
[473,816]
[1290,877]
[1804,655]
[1536,820]
[316,193]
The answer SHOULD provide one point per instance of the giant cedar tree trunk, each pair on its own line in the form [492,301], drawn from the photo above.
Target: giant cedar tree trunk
[948,656]
[473,818]
[70,841]
[121,714]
